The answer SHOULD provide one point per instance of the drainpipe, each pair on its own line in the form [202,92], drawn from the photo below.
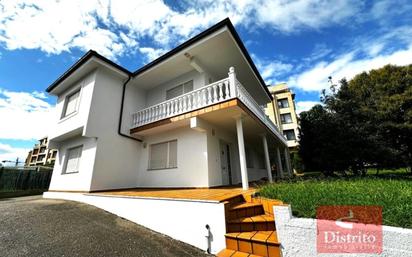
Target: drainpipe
[119,131]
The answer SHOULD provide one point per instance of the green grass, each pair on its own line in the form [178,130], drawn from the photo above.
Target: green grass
[305,195]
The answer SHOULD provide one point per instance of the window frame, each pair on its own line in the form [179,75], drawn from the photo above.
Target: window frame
[64,171]
[284,121]
[168,167]
[183,88]
[65,115]
[280,103]
[294,134]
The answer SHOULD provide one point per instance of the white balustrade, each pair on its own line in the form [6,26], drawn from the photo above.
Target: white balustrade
[220,91]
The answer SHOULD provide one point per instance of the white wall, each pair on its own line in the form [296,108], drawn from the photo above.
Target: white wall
[181,220]
[75,181]
[78,119]
[192,157]
[116,164]
[298,237]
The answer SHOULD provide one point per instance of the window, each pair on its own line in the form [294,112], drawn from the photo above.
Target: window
[286,118]
[40,158]
[163,155]
[54,154]
[33,159]
[289,134]
[283,103]
[73,160]
[179,90]
[71,104]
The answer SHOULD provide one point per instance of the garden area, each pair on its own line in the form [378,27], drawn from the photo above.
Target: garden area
[391,189]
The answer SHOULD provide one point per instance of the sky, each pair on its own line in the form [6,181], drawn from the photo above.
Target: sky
[300,42]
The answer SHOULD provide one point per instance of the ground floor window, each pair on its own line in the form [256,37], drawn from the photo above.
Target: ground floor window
[73,160]
[163,155]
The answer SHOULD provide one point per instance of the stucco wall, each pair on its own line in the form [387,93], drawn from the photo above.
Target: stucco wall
[116,156]
[298,237]
[78,119]
[179,219]
[80,181]
[191,168]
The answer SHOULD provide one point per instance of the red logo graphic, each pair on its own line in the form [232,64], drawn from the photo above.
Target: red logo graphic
[349,229]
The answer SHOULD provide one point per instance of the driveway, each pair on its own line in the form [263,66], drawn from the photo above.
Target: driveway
[32,226]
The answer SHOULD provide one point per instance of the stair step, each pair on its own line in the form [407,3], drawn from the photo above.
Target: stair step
[261,243]
[245,210]
[253,223]
[232,253]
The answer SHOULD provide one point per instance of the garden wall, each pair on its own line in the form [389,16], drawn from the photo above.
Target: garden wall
[298,237]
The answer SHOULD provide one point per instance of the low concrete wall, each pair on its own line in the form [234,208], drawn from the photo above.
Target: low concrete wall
[183,220]
[298,237]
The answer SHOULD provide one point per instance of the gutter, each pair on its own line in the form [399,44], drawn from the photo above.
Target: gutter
[119,130]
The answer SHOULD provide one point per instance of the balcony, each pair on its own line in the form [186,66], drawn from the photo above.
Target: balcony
[215,93]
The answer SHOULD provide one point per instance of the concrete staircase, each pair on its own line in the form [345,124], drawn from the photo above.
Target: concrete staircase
[250,228]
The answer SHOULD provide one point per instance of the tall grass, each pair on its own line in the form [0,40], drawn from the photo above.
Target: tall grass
[394,195]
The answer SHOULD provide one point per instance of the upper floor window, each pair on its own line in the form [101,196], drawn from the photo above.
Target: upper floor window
[163,155]
[286,118]
[289,134]
[179,90]
[283,103]
[71,103]
[73,160]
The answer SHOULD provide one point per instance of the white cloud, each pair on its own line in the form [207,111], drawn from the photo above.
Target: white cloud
[271,69]
[302,106]
[347,66]
[151,53]
[58,26]
[9,153]
[24,115]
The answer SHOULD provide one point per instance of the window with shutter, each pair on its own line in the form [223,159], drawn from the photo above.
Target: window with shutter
[179,90]
[73,159]
[71,104]
[163,155]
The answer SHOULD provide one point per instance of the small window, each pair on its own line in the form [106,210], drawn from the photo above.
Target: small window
[286,118]
[283,103]
[73,160]
[289,134]
[163,155]
[179,90]
[70,105]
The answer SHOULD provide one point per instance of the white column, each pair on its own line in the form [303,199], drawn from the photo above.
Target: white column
[267,160]
[280,167]
[242,155]
[287,161]
[232,82]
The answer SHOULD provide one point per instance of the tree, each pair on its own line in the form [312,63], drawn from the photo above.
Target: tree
[371,117]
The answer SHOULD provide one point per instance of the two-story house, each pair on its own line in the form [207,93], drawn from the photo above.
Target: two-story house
[193,117]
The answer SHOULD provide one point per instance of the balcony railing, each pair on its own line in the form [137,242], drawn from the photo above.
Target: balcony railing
[220,91]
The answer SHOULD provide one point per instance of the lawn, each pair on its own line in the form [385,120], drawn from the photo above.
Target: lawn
[394,194]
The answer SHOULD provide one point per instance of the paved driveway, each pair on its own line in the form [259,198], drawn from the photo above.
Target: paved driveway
[32,226]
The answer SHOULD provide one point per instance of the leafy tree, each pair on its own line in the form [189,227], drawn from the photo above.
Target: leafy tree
[368,118]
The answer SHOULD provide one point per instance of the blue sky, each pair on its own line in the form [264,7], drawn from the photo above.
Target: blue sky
[300,42]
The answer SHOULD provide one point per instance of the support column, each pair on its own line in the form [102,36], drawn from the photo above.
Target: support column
[267,160]
[287,161]
[279,167]
[242,155]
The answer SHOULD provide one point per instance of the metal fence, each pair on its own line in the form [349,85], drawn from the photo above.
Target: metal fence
[17,179]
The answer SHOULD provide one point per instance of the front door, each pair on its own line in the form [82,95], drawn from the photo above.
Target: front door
[225,163]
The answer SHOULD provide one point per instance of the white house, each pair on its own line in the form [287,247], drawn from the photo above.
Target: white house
[191,118]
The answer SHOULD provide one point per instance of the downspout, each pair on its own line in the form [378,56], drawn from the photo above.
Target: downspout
[119,131]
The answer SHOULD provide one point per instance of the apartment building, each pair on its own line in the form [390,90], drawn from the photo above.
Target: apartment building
[283,113]
[41,155]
